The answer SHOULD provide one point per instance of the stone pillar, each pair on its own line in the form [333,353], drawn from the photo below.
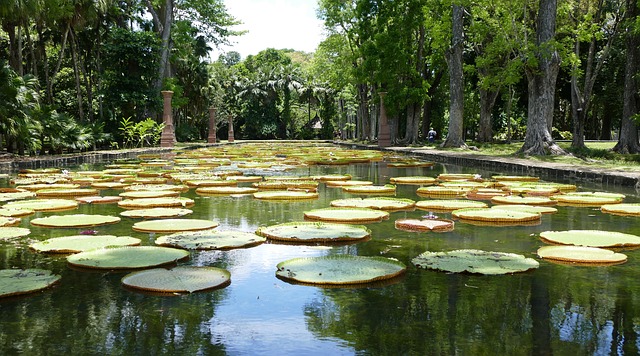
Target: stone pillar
[230,128]
[212,125]
[384,133]
[168,136]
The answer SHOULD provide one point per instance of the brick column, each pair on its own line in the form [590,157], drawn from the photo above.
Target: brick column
[168,136]
[212,125]
[384,133]
[230,128]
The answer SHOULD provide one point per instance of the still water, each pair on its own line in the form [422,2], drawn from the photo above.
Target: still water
[556,309]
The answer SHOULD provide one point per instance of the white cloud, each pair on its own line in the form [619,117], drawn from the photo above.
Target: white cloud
[274,24]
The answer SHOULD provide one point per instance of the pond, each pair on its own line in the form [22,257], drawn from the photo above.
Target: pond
[555,309]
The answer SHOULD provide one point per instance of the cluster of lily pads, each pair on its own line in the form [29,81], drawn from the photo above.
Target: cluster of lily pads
[151,190]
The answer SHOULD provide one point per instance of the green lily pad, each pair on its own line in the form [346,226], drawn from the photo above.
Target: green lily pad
[439,191]
[139,194]
[591,238]
[80,243]
[219,182]
[181,279]
[16,213]
[13,232]
[285,195]
[75,220]
[371,189]
[174,225]
[347,183]
[589,199]
[495,215]
[536,209]
[225,190]
[23,281]
[98,199]
[382,203]
[156,213]
[581,255]
[624,209]
[127,257]
[339,269]
[55,193]
[331,177]
[8,221]
[515,199]
[157,187]
[475,261]
[348,215]
[210,239]
[43,204]
[314,232]
[9,194]
[437,225]
[414,180]
[146,203]
[448,204]
[516,178]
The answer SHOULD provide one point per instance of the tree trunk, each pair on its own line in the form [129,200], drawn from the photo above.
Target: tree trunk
[14,59]
[628,138]
[456,81]
[163,28]
[542,85]
[76,71]
[362,129]
[487,101]
[427,104]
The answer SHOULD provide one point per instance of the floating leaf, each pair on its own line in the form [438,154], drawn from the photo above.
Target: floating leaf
[360,215]
[589,199]
[174,225]
[225,190]
[285,195]
[127,257]
[156,213]
[15,213]
[495,215]
[624,209]
[581,255]
[139,194]
[75,220]
[9,194]
[371,189]
[414,180]
[314,232]
[23,281]
[437,225]
[515,199]
[591,238]
[527,208]
[13,232]
[79,243]
[210,239]
[181,279]
[8,221]
[43,204]
[448,205]
[145,203]
[475,261]
[98,199]
[339,269]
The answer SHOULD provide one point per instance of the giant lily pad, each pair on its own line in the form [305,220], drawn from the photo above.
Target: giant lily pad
[79,243]
[536,209]
[437,225]
[156,213]
[210,239]
[381,203]
[9,221]
[174,225]
[495,215]
[589,199]
[23,281]
[75,220]
[371,189]
[515,199]
[181,279]
[475,261]
[127,257]
[339,269]
[413,180]
[9,194]
[438,191]
[157,187]
[15,213]
[348,215]
[581,255]
[285,195]
[225,190]
[96,199]
[13,232]
[140,194]
[591,238]
[146,203]
[42,204]
[448,204]
[314,232]
[624,209]
[347,183]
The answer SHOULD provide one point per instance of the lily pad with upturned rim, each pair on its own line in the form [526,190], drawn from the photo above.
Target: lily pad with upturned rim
[79,243]
[381,203]
[156,213]
[305,231]
[142,194]
[518,200]
[413,180]
[475,261]
[13,232]
[624,209]
[527,208]
[589,199]
[22,281]
[591,238]
[348,215]
[449,204]
[127,257]
[581,255]
[43,204]
[9,221]
[16,213]
[75,220]
[174,225]
[371,189]
[9,194]
[339,269]
[98,199]
[418,225]
[146,203]
[225,190]
[285,195]
[181,279]
[210,239]
[495,215]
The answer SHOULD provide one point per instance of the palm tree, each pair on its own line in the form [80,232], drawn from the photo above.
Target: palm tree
[18,98]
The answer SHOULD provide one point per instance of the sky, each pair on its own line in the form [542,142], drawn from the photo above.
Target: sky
[275,24]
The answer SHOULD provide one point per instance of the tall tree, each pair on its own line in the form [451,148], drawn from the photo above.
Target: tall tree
[628,138]
[542,71]
[456,80]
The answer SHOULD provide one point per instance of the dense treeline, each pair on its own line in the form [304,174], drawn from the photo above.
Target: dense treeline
[81,74]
